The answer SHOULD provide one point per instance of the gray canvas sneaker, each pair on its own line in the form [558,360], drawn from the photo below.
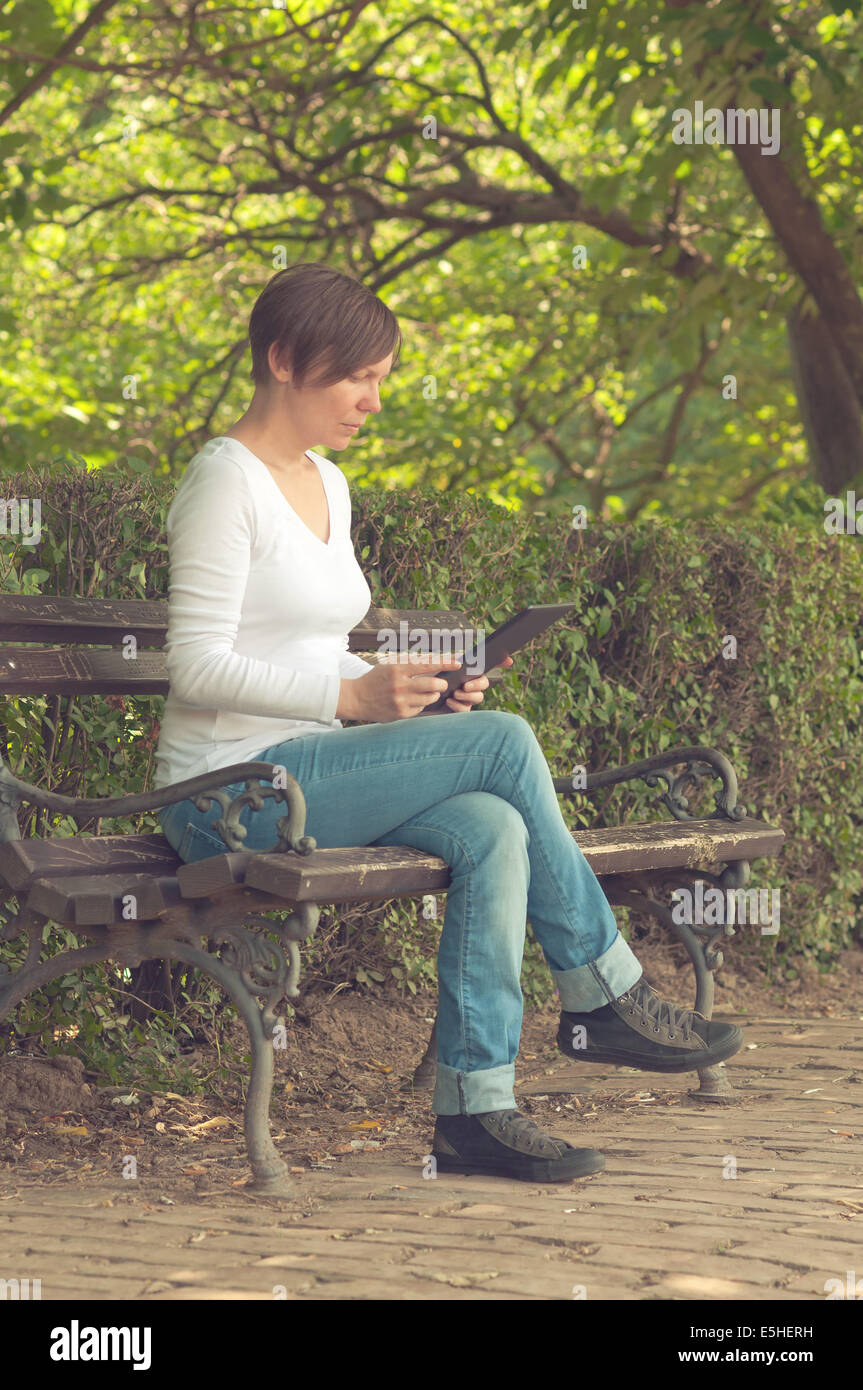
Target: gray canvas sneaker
[507,1144]
[640,1029]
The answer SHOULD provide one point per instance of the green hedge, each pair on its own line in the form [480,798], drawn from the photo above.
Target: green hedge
[647,664]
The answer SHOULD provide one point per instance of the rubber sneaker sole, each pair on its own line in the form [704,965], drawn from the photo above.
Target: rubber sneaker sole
[623,1057]
[577,1163]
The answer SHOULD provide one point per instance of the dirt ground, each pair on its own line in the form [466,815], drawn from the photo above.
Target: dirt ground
[342,1089]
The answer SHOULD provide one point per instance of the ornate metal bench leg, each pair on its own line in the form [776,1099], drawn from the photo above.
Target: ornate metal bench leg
[252,968]
[714,1080]
[254,971]
[714,1083]
[270,1173]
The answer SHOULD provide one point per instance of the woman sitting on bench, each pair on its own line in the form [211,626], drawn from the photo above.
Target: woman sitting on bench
[264,588]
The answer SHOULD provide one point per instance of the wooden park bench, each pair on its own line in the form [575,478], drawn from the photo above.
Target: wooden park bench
[133,899]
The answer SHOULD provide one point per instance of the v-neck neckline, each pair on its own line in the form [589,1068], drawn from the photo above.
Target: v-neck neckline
[327,543]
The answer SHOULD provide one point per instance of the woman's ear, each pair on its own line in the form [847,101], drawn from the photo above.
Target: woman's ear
[280,363]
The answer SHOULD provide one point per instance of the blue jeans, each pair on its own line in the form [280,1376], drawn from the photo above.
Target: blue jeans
[475,790]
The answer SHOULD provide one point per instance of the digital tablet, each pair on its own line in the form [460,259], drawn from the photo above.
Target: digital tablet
[516,633]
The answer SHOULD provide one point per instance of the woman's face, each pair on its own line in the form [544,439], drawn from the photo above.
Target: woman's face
[325,414]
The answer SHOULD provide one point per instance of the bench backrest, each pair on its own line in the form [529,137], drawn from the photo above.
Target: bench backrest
[103,641]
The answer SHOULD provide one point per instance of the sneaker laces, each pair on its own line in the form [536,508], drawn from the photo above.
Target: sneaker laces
[660,1012]
[513,1124]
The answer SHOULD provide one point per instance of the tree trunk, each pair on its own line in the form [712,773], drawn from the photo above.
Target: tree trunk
[825,340]
[827,401]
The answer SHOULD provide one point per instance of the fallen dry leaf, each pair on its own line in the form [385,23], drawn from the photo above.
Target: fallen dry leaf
[217,1122]
[73,1129]
[283,1261]
[463,1281]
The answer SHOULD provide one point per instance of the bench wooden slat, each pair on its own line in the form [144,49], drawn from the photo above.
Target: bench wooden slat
[102,901]
[88,671]
[383,871]
[23,861]
[35,618]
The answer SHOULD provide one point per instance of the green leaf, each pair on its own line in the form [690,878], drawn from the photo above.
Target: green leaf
[768,88]
[705,288]
[549,73]
[342,131]
[716,37]
[12,140]
[32,24]
[52,200]
[98,114]
[19,206]
[762,38]
[627,99]
[580,89]
[508,39]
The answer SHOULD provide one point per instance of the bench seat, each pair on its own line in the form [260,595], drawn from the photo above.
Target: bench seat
[82,880]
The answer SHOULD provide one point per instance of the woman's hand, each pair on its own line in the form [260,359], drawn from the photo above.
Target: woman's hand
[401,689]
[466,696]
[396,689]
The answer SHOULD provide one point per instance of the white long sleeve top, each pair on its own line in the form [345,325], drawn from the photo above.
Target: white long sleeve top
[259,611]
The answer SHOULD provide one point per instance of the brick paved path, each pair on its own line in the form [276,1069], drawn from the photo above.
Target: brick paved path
[661,1222]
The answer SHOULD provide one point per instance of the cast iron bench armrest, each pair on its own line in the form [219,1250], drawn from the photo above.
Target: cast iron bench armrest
[203,790]
[714,764]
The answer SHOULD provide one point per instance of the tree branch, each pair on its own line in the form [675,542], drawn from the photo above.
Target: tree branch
[39,78]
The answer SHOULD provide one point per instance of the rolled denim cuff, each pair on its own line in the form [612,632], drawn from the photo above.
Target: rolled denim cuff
[474,1092]
[600,981]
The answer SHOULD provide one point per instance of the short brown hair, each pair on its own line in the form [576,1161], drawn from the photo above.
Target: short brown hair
[320,315]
